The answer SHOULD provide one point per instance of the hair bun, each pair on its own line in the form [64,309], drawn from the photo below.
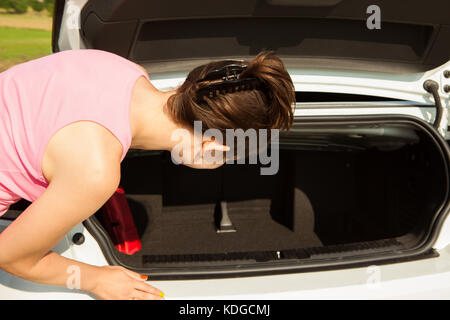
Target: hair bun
[269,69]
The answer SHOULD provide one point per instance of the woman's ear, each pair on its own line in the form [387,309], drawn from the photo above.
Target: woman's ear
[210,145]
[213,153]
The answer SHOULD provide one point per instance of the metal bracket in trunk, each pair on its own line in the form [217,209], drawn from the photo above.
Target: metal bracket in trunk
[225,222]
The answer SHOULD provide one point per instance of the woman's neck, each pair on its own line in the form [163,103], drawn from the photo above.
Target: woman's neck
[151,127]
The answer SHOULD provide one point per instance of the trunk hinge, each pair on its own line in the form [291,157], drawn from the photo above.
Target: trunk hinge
[432,87]
[441,120]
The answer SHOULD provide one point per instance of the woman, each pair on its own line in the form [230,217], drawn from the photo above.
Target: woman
[67,121]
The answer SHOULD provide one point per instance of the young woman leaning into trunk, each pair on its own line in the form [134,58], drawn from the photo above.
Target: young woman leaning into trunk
[67,121]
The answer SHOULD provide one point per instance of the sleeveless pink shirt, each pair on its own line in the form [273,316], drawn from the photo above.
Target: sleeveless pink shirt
[39,97]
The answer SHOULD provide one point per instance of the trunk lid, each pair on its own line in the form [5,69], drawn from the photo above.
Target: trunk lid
[399,36]
[379,48]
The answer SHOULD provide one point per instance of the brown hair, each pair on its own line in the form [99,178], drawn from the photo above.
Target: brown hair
[255,108]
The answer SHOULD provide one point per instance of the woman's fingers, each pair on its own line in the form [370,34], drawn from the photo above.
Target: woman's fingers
[135,275]
[118,283]
[146,288]
[141,295]
[146,291]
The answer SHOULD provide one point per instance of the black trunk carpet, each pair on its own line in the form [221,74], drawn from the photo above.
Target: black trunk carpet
[192,229]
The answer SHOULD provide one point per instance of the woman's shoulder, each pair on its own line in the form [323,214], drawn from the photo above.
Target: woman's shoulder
[76,61]
[85,144]
[110,64]
[90,57]
[91,53]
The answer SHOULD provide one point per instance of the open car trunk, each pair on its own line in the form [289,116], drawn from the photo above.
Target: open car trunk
[353,190]
[345,192]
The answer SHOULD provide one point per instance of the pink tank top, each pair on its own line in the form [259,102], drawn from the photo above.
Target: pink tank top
[39,97]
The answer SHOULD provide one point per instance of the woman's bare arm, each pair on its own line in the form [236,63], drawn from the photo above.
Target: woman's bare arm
[26,243]
[84,176]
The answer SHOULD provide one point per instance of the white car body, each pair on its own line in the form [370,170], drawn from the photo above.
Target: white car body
[418,279]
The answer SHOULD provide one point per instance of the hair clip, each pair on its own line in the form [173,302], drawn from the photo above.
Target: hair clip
[228,72]
[231,82]
[213,90]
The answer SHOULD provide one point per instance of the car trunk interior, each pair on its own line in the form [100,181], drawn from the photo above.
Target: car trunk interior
[340,188]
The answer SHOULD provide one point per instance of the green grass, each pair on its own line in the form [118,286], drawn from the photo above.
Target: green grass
[19,45]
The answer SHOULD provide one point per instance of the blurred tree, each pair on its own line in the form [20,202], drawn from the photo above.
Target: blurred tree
[49,6]
[5,4]
[37,5]
[19,6]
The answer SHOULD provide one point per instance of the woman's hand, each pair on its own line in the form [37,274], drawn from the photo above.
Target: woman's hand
[117,283]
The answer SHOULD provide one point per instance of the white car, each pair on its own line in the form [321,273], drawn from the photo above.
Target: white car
[359,205]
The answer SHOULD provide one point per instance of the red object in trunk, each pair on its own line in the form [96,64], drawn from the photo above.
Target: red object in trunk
[120,224]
